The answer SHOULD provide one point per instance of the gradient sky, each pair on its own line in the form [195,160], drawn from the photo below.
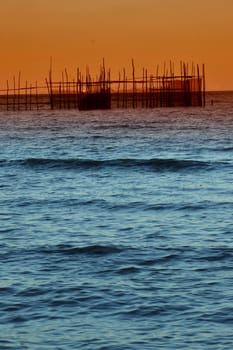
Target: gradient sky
[80,32]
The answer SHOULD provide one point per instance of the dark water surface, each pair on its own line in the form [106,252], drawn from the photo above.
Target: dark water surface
[116,229]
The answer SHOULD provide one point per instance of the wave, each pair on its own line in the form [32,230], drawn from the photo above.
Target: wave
[78,163]
[223,149]
[67,249]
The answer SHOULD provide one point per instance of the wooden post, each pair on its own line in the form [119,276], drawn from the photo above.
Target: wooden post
[67,89]
[203,78]
[142,93]
[77,87]
[60,95]
[14,93]
[157,86]
[133,76]
[118,89]
[51,85]
[182,82]
[104,77]
[37,102]
[30,97]
[184,87]
[26,97]
[7,95]
[150,91]
[18,102]
[124,89]
[49,93]
[200,102]
[63,90]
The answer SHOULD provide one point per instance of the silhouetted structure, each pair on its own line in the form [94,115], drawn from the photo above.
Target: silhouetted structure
[85,93]
[95,100]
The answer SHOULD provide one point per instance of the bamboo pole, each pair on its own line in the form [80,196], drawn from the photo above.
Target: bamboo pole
[26,97]
[60,95]
[77,87]
[184,87]
[104,74]
[63,90]
[150,94]
[133,76]
[51,85]
[37,102]
[49,94]
[67,89]
[7,95]
[203,77]
[118,90]
[143,97]
[87,79]
[124,88]
[14,92]
[157,85]
[30,97]
[146,89]
[18,94]
[199,87]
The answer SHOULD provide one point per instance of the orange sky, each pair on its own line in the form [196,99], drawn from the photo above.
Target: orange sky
[80,32]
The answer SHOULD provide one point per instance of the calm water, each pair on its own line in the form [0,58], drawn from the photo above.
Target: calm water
[116,229]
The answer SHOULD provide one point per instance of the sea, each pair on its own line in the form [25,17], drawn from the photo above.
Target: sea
[116,228]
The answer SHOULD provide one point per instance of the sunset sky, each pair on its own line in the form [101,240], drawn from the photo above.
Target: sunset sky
[80,32]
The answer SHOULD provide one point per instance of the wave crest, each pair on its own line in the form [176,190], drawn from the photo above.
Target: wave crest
[67,249]
[153,164]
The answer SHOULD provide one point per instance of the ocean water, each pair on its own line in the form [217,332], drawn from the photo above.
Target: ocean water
[116,228]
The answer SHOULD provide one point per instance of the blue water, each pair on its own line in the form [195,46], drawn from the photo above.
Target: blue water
[116,229]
